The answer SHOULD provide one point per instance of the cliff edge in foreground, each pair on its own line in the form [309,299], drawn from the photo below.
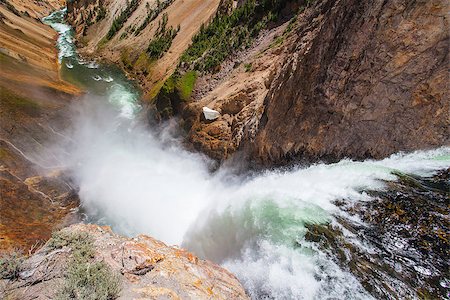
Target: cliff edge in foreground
[91,262]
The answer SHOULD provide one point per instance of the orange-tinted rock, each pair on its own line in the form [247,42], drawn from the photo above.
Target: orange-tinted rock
[150,270]
[352,79]
[365,79]
[34,109]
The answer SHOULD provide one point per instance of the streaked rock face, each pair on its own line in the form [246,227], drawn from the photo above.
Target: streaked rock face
[366,79]
[149,269]
[358,79]
[34,107]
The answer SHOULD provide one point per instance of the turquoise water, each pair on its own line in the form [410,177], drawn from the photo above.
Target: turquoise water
[139,181]
[98,79]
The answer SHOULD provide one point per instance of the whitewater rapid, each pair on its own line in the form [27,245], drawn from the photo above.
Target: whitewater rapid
[143,181]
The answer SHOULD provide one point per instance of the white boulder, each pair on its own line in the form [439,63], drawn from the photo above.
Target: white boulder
[210,114]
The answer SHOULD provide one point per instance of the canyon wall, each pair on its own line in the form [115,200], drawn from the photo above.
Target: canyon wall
[365,79]
[323,80]
[128,46]
[34,103]
[357,79]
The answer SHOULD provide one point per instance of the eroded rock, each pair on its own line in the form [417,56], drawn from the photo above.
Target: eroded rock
[149,269]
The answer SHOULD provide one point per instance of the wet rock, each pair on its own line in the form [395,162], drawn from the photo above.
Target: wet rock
[403,247]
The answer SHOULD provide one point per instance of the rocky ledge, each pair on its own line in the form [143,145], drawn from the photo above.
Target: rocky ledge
[91,262]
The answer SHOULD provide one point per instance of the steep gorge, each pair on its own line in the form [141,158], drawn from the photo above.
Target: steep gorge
[365,79]
[339,79]
[127,47]
[34,108]
[359,80]
[293,81]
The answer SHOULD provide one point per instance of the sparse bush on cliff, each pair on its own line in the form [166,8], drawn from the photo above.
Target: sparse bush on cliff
[11,264]
[85,278]
[79,242]
[153,14]
[101,14]
[162,40]
[89,281]
[230,32]
[248,67]
[122,18]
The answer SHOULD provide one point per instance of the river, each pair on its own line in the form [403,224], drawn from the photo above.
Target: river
[257,226]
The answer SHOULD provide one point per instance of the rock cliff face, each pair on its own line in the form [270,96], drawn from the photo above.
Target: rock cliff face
[344,78]
[143,268]
[127,47]
[33,109]
[354,79]
[365,79]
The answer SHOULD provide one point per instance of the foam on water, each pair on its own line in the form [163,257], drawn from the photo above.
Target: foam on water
[92,65]
[65,43]
[256,229]
[124,99]
[142,182]
[108,79]
[136,182]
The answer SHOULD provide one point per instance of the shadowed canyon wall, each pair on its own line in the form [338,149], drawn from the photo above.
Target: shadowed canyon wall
[365,79]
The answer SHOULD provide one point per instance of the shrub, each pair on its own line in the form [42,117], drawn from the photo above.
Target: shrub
[11,264]
[152,14]
[79,242]
[122,18]
[89,281]
[228,33]
[85,278]
[162,41]
[101,14]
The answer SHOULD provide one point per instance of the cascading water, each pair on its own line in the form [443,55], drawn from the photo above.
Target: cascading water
[107,81]
[142,182]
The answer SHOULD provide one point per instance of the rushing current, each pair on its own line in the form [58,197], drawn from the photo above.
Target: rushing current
[143,181]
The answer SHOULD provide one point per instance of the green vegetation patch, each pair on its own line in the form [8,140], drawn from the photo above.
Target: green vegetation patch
[89,281]
[185,84]
[101,13]
[85,278]
[122,18]
[169,85]
[180,85]
[79,242]
[174,93]
[11,264]
[228,33]
[144,64]
[248,67]
[162,40]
